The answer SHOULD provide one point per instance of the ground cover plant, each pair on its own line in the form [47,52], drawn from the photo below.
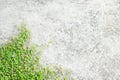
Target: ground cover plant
[18,63]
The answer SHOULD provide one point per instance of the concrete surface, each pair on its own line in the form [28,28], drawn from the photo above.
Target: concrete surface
[83,35]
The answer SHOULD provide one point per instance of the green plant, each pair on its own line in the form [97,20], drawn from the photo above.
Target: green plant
[18,63]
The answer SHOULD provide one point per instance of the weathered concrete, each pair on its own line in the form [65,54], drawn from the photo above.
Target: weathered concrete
[84,35]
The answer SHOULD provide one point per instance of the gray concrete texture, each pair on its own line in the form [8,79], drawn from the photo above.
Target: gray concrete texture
[83,35]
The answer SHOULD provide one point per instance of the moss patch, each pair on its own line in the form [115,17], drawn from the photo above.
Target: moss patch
[17,61]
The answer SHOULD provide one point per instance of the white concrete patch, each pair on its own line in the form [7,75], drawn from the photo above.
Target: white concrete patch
[84,35]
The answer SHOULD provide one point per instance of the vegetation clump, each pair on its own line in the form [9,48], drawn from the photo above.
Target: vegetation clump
[17,61]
